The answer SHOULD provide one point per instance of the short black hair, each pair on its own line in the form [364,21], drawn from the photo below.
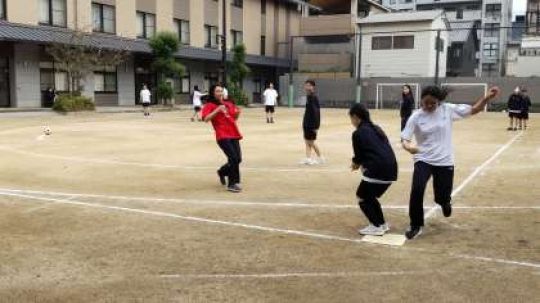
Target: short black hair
[310,82]
[435,91]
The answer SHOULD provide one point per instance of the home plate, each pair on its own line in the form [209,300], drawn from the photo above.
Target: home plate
[387,239]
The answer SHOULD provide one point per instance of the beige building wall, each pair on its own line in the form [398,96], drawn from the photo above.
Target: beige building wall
[164,15]
[181,9]
[126,19]
[23,11]
[252,26]
[196,22]
[79,14]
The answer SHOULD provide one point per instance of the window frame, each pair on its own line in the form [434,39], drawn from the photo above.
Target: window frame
[492,30]
[263,45]
[237,3]
[402,37]
[3,7]
[50,18]
[180,29]
[54,70]
[102,18]
[178,83]
[211,36]
[234,35]
[492,51]
[378,46]
[377,41]
[145,25]
[103,71]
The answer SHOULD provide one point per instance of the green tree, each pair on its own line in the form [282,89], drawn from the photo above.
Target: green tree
[164,45]
[238,70]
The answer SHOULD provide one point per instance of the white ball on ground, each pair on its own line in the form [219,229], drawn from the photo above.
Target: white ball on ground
[47,130]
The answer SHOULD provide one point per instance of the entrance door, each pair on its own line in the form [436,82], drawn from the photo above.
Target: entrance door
[144,75]
[4,82]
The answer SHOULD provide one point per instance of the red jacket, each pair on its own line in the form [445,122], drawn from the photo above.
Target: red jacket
[224,123]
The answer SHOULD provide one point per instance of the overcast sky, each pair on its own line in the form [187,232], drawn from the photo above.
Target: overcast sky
[519,7]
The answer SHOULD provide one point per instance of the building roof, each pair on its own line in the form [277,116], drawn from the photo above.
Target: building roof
[460,31]
[47,35]
[412,16]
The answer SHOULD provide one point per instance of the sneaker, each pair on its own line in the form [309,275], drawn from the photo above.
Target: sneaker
[509,129]
[234,188]
[372,230]
[515,128]
[447,209]
[385,227]
[413,232]
[307,161]
[320,160]
[222,179]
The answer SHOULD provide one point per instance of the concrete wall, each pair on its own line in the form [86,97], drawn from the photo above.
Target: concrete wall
[25,89]
[126,83]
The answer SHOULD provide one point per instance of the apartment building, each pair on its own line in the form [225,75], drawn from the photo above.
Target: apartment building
[27,26]
[533,17]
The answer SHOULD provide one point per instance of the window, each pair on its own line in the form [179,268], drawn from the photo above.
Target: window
[182,28]
[392,2]
[52,12]
[2,9]
[395,42]
[489,69]
[238,3]
[263,7]
[105,80]
[491,30]
[211,36]
[439,45]
[403,42]
[493,11]
[378,43]
[237,37]
[459,13]
[491,49]
[51,76]
[263,45]
[183,84]
[146,25]
[104,18]
[210,79]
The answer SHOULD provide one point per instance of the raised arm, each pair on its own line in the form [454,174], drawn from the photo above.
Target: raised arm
[481,103]
[213,114]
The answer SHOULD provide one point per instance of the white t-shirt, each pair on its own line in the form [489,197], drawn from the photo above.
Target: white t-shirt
[270,97]
[145,96]
[433,133]
[197,99]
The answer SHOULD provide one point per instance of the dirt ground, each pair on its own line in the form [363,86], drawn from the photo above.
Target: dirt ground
[119,208]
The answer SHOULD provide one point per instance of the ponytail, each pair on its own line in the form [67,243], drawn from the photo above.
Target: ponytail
[360,111]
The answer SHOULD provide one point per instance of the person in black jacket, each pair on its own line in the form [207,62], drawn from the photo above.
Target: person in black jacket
[373,154]
[407,105]
[514,109]
[525,106]
[311,124]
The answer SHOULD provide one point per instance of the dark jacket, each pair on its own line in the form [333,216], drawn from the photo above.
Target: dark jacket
[374,153]
[514,102]
[312,115]
[407,106]
[525,104]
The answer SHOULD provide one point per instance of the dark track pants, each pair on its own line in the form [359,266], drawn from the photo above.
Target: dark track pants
[231,148]
[368,194]
[443,179]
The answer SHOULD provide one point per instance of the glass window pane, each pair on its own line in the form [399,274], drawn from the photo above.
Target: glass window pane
[59,12]
[99,82]
[403,42]
[150,25]
[96,17]
[185,32]
[110,82]
[61,81]
[46,79]
[185,85]
[140,25]
[381,43]
[109,19]
[44,9]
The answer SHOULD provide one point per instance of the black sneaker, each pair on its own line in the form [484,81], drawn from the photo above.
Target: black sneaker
[413,232]
[222,179]
[234,188]
[447,209]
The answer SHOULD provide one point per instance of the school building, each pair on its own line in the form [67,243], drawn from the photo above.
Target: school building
[28,26]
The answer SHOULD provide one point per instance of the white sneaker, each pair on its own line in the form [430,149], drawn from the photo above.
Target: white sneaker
[320,160]
[372,230]
[386,227]
[307,161]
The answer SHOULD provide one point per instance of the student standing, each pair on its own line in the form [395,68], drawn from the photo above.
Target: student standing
[407,105]
[197,103]
[525,106]
[514,109]
[270,100]
[146,99]
[223,115]
[433,156]
[375,157]
[311,124]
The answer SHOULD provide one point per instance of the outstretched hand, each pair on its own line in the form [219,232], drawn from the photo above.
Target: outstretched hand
[493,92]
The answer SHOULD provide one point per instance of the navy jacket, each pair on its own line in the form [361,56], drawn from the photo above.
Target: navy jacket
[514,102]
[407,106]
[312,115]
[374,153]
[525,104]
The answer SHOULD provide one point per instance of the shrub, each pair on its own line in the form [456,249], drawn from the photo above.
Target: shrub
[165,91]
[67,103]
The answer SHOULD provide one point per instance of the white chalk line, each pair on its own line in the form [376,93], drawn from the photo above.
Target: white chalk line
[248,203]
[298,275]
[262,228]
[475,173]
[302,169]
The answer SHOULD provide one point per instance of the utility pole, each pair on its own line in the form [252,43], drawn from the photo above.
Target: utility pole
[438,47]
[224,44]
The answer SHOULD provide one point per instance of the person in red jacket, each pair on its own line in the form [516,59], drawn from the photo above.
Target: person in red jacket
[223,115]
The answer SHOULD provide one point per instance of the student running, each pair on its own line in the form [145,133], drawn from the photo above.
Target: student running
[146,99]
[407,105]
[197,103]
[270,101]
[223,115]
[311,124]
[374,156]
[433,155]
[514,109]
[525,107]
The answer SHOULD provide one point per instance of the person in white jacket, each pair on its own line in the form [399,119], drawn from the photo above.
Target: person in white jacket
[270,101]
[197,103]
[146,99]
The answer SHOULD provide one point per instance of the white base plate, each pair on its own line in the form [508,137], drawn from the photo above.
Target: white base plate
[387,239]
